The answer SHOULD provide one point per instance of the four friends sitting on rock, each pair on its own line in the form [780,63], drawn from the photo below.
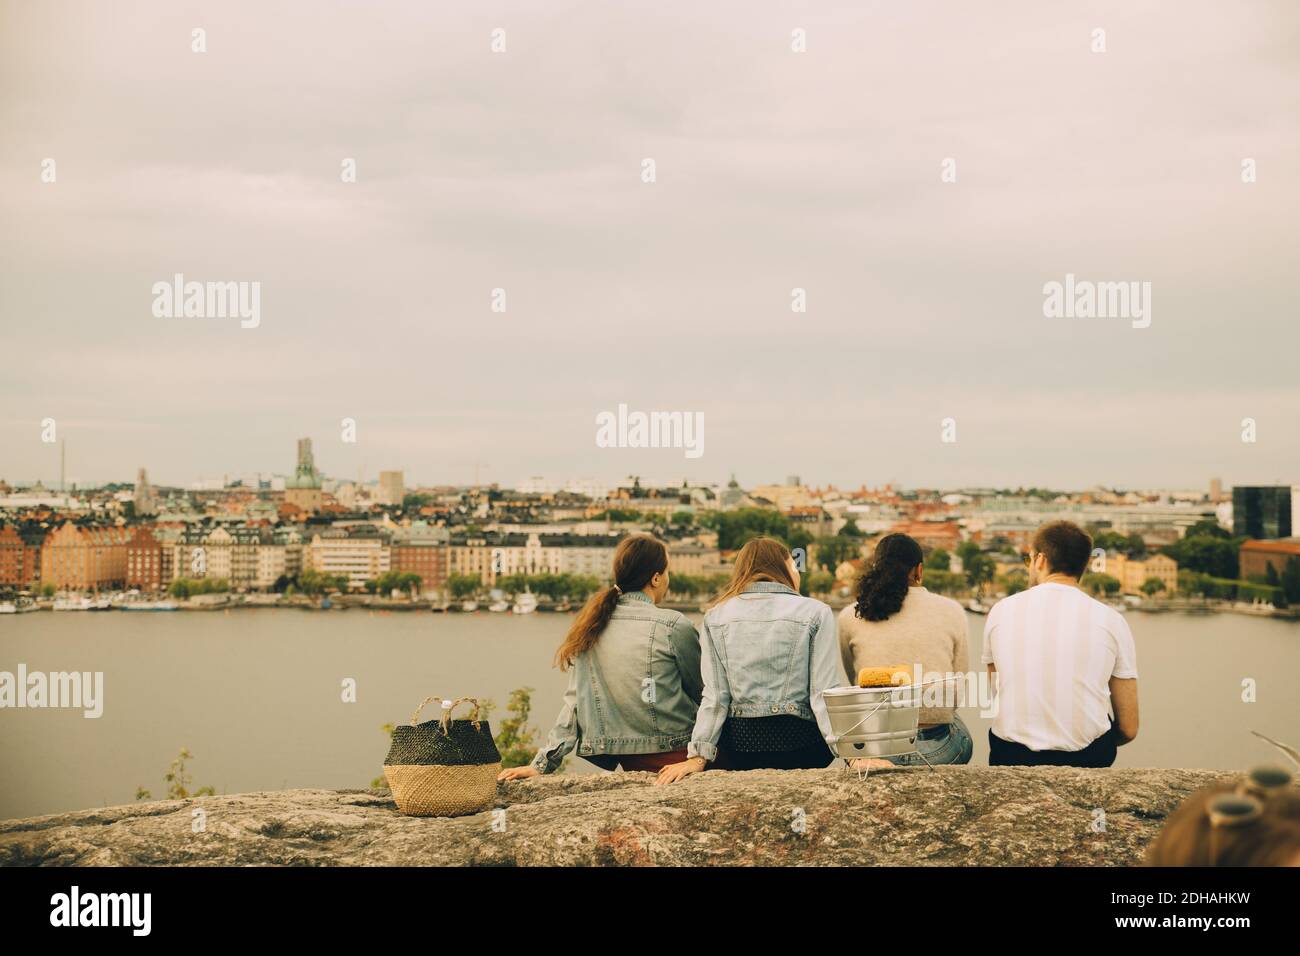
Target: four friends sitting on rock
[647,691]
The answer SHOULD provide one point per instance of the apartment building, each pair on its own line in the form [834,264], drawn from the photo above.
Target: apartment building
[1258,556]
[591,555]
[1133,572]
[144,560]
[84,558]
[359,553]
[279,554]
[422,549]
[693,559]
[482,556]
[12,565]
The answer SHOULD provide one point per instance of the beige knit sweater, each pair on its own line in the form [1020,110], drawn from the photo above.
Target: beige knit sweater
[929,629]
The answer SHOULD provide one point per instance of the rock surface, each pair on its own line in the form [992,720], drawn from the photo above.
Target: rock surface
[948,816]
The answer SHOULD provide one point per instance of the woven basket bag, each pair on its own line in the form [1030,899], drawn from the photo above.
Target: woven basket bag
[443,767]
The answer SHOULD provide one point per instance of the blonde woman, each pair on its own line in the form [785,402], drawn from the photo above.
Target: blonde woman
[767,654]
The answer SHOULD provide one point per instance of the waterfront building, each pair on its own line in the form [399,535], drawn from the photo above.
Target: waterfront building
[1261,512]
[590,555]
[167,538]
[33,542]
[1258,556]
[144,560]
[245,545]
[422,549]
[11,557]
[493,555]
[217,555]
[279,554]
[188,554]
[473,555]
[1134,572]
[84,558]
[359,553]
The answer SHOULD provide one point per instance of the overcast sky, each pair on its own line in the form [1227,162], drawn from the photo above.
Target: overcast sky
[522,170]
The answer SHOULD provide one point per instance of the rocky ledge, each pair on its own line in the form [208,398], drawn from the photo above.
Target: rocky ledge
[962,816]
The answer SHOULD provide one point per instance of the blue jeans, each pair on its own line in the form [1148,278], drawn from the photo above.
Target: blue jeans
[955,746]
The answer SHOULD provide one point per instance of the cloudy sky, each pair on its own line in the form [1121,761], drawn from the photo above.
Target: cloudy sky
[775,170]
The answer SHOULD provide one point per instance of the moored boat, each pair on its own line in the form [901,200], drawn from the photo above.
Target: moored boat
[149,606]
[72,603]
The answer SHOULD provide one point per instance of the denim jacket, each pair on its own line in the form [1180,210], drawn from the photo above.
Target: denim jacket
[766,651]
[635,691]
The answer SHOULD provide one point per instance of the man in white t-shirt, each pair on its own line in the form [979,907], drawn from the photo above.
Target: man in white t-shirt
[1065,664]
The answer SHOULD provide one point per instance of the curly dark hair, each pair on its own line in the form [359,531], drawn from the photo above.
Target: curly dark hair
[883,586]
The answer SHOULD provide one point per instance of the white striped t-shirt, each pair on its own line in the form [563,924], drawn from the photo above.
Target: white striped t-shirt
[1055,650]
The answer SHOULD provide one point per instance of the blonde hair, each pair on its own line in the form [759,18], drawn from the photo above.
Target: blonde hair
[761,559]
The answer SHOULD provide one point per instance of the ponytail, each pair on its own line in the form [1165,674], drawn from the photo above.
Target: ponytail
[592,620]
[637,559]
[883,587]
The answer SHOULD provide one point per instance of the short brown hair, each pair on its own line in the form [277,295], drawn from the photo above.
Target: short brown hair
[1066,546]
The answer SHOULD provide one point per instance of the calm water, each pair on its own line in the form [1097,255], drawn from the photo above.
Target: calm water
[255,694]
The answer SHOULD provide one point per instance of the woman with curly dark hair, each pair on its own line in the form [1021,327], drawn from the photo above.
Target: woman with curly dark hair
[896,621]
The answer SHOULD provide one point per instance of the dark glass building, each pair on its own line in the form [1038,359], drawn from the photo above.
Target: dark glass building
[1262,512]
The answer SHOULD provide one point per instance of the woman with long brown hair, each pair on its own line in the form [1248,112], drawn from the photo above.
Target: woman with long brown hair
[634,673]
[768,655]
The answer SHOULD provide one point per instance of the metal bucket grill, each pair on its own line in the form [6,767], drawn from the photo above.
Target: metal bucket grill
[874,721]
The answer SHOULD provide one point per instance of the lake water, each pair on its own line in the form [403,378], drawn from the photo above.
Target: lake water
[256,694]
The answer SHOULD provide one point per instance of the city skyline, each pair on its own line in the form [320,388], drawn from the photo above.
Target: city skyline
[277,479]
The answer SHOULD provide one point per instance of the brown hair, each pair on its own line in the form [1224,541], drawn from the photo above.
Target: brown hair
[637,559]
[1066,546]
[761,559]
[1190,838]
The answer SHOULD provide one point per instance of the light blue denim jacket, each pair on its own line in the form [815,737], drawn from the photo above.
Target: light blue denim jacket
[635,691]
[766,651]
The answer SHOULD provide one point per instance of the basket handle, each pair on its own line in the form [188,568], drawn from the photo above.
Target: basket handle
[447,707]
[446,713]
[415,717]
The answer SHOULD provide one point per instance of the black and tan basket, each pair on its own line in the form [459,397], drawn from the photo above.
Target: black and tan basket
[443,767]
